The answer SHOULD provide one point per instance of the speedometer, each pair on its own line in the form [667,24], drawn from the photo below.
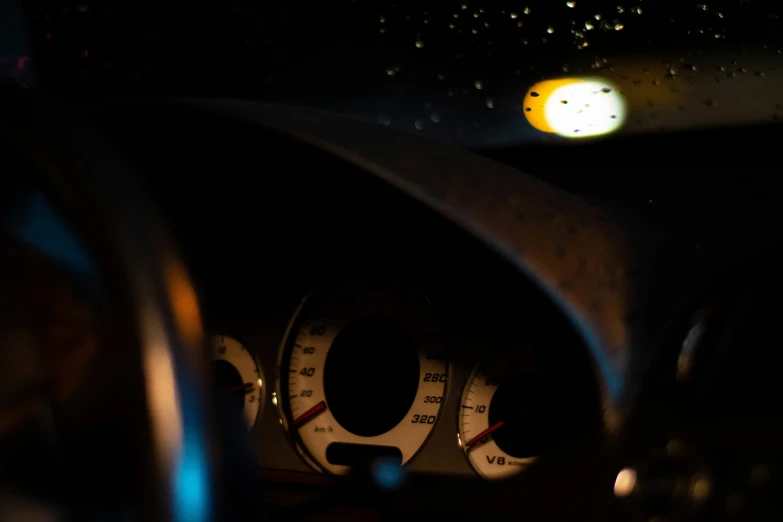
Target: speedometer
[362,374]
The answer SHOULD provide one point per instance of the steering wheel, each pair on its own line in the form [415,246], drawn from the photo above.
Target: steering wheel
[132,437]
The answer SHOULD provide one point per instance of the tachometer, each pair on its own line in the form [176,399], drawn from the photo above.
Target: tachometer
[362,374]
[505,417]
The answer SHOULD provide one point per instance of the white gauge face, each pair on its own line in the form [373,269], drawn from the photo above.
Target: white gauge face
[235,368]
[504,418]
[363,374]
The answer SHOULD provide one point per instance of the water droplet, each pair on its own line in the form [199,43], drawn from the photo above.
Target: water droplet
[619,27]
[564,102]
[606,90]
[383,119]
[571,4]
[527,10]
[419,44]
[534,94]
[709,103]
[419,124]
[589,26]
[382,19]
[514,16]
[435,117]
[490,103]
[478,85]
[391,71]
[550,29]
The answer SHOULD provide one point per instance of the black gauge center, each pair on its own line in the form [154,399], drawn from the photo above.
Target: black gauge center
[526,409]
[371,375]
[227,379]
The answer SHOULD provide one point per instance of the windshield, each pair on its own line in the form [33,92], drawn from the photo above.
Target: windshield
[478,74]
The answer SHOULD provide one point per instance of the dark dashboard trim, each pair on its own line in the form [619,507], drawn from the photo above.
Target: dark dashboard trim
[574,252]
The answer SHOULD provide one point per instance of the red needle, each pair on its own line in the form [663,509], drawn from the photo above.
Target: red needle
[245,386]
[310,414]
[483,434]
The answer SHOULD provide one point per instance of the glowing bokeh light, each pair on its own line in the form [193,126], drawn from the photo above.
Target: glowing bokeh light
[575,107]
[388,474]
[625,482]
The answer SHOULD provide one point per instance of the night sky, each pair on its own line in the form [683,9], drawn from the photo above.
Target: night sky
[413,64]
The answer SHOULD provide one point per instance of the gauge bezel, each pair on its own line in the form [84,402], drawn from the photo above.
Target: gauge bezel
[265,383]
[278,399]
[322,288]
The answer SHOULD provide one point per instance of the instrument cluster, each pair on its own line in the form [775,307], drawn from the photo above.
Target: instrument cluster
[371,367]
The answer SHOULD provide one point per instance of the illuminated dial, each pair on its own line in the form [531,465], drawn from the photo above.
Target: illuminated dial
[505,416]
[235,369]
[362,374]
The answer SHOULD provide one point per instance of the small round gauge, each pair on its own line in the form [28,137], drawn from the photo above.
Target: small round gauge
[505,417]
[234,368]
[362,374]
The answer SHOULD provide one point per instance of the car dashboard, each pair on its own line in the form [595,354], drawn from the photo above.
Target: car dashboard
[374,300]
[348,248]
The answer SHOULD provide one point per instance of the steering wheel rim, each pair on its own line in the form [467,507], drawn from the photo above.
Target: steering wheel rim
[156,334]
